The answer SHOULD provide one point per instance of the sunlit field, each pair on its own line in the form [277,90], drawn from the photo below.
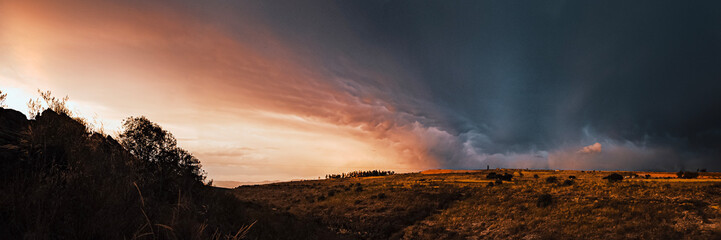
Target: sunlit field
[465,204]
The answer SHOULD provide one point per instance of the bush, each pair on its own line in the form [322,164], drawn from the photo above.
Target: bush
[535,176]
[568,182]
[687,175]
[544,200]
[552,179]
[499,181]
[571,177]
[504,177]
[614,177]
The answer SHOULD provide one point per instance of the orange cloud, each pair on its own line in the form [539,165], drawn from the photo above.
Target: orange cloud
[221,91]
[593,148]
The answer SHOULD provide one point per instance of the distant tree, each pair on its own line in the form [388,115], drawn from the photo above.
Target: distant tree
[371,173]
[3,96]
[571,177]
[535,176]
[158,148]
[702,170]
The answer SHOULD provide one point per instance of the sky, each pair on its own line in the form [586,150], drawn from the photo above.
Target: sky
[282,90]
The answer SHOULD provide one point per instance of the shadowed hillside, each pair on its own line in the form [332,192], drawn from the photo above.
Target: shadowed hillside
[60,180]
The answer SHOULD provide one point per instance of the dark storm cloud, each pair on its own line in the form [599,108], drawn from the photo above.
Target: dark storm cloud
[526,83]
[533,75]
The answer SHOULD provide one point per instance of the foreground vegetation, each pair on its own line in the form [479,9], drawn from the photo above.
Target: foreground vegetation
[60,180]
[533,205]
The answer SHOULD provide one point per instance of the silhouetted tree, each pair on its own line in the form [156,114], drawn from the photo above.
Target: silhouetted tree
[158,148]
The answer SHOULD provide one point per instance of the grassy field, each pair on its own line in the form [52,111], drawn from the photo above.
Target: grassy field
[461,204]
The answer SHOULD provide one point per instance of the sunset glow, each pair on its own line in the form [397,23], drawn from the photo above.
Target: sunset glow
[260,92]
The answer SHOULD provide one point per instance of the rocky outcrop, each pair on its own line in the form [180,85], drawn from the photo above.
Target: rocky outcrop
[13,125]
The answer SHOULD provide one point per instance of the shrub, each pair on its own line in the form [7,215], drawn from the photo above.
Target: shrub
[552,179]
[535,176]
[571,177]
[687,175]
[568,182]
[359,188]
[504,177]
[331,193]
[614,177]
[499,181]
[544,200]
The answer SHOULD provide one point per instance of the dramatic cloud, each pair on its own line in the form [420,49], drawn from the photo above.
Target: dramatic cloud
[595,148]
[264,90]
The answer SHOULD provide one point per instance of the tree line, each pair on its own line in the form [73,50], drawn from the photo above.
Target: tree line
[353,174]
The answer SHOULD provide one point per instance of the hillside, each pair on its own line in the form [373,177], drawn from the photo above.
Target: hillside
[464,205]
[60,180]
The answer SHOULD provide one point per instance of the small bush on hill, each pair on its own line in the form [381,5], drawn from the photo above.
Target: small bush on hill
[687,175]
[614,177]
[552,179]
[504,177]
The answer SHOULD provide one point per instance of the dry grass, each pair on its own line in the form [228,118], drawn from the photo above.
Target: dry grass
[453,205]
